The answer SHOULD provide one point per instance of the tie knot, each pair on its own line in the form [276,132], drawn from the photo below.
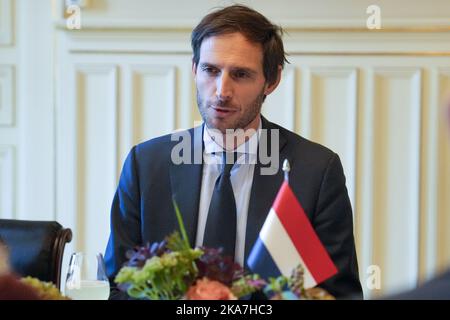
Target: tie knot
[228,160]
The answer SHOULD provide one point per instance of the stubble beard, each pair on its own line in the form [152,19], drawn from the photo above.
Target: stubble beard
[252,110]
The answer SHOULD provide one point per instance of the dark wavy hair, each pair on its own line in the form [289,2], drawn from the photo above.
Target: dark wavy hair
[253,25]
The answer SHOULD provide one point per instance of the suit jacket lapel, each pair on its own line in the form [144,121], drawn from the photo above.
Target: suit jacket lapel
[264,190]
[186,182]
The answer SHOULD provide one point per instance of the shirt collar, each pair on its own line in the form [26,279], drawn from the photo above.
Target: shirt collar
[249,147]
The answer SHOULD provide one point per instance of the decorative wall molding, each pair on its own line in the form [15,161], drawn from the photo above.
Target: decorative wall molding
[333,114]
[7,182]
[6,26]
[96,151]
[344,15]
[154,90]
[396,174]
[280,105]
[297,42]
[435,177]
[443,170]
[306,25]
[7,89]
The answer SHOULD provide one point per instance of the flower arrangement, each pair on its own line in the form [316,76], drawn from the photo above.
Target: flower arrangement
[171,269]
[15,287]
[45,290]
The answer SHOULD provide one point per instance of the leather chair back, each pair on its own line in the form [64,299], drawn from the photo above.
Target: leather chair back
[35,247]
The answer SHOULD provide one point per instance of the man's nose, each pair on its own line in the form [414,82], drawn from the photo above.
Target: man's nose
[224,87]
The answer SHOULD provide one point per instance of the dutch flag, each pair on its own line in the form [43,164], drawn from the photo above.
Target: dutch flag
[288,239]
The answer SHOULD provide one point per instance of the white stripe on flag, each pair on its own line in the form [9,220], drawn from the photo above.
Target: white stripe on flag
[283,252]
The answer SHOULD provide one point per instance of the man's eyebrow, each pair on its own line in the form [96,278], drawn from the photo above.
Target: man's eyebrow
[235,68]
[245,69]
[206,64]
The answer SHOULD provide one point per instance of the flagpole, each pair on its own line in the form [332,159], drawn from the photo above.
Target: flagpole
[286,169]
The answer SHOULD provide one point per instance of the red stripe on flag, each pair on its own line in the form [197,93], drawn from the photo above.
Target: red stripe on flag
[302,234]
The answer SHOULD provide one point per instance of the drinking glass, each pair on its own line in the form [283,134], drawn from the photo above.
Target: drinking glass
[86,277]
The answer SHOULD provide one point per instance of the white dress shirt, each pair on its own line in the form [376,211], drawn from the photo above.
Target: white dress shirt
[241,181]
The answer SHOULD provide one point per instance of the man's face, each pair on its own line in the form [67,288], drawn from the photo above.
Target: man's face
[230,82]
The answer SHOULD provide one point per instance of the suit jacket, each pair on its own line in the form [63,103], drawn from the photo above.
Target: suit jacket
[142,209]
[437,288]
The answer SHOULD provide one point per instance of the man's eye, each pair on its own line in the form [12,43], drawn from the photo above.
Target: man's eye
[241,74]
[210,70]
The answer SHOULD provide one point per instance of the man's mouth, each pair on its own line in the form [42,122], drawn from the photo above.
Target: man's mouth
[223,111]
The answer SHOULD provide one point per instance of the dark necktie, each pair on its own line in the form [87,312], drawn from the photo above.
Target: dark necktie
[220,230]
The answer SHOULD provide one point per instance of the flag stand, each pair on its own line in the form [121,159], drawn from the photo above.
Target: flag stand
[286,169]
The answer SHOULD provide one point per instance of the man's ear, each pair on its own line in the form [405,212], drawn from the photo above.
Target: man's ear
[271,87]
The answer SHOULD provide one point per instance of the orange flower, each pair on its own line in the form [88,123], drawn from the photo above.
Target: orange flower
[205,289]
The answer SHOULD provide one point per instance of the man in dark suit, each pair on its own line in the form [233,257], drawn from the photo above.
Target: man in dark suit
[237,62]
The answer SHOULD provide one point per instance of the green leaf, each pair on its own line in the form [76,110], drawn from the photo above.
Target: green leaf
[181,224]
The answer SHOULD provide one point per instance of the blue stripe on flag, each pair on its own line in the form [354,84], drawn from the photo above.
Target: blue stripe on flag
[260,261]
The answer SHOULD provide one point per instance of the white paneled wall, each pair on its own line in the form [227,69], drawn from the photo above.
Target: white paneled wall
[442,161]
[396,153]
[8,123]
[7,195]
[108,103]
[279,107]
[27,167]
[6,18]
[372,97]
[96,134]
[372,111]
[154,93]
[332,108]
[6,95]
